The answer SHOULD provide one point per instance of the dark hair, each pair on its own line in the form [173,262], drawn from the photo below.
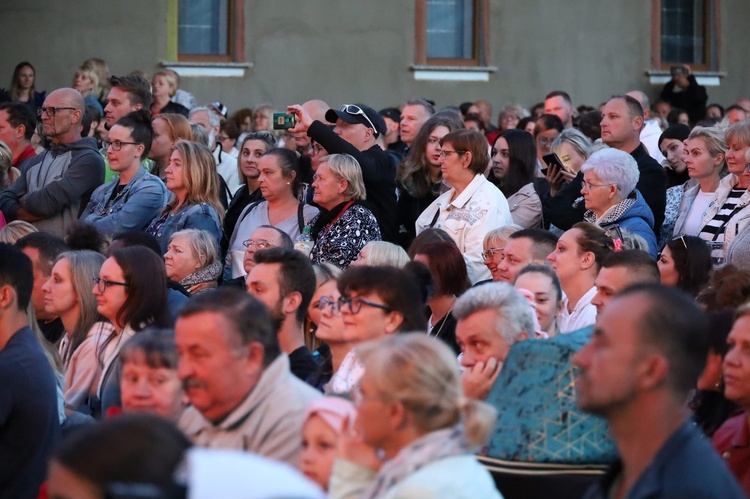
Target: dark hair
[288,162]
[264,136]
[522,161]
[249,318]
[144,273]
[594,239]
[544,269]
[733,107]
[229,127]
[427,105]
[715,104]
[139,124]
[20,114]
[84,236]
[414,170]
[675,325]
[48,245]
[295,274]
[728,287]
[138,238]
[149,450]
[15,81]
[559,93]
[427,236]
[286,241]
[240,115]
[692,261]
[641,266]
[407,298]
[470,141]
[590,125]
[137,87]
[634,107]
[548,122]
[475,118]
[674,115]
[447,266]
[464,107]
[154,346]
[543,242]
[17,272]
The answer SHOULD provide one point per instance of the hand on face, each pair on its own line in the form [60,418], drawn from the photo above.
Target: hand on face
[478,379]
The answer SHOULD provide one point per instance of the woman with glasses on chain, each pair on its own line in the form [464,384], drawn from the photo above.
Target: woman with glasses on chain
[134,197]
[131,293]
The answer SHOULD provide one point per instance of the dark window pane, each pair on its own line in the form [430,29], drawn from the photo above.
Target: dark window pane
[203,27]
[450,29]
[682,31]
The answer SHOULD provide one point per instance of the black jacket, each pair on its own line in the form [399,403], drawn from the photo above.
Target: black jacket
[692,99]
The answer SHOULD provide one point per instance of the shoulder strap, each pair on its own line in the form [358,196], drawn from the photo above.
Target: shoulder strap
[250,208]
[300,217]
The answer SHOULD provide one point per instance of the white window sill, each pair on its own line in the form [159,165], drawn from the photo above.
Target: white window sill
[453,73]
[210,69]
[705,78]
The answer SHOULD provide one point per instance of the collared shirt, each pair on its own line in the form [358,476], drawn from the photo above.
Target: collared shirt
[732,441]
[583,314]
[686,466]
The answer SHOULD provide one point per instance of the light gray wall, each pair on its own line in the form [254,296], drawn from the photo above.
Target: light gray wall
[344,51]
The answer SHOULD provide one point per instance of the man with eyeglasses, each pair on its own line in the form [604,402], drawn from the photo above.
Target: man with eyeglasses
[357,128]
[57,183]
[264,237]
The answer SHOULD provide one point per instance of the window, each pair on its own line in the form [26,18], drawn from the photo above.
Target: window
[452,32]
[685,32]
[210,30]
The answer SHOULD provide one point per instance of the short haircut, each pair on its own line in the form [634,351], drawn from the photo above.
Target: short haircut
[48,245]
[249,318]
[548,122]
[202,243]
[286,241]
[17,272]
[447,266]
[295,274]
[428,107]
[347,168]
[214,118]
[614,166]
[137,87]
[153,347]
[171,78]
[473,142]
[139,124]
[736,107]
[516,314]
[739,131]
[559,93]
[20,114]
[577,140]
[385,253]
[501,234]
[677,328]
[543,242]
[634,107]
[642,268]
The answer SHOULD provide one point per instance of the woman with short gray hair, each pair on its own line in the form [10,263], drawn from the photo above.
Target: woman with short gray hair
[609,180]
[192,259]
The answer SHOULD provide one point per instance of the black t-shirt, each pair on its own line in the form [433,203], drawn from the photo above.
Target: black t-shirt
[302,363]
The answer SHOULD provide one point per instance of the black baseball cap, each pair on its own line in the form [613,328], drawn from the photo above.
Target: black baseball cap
[358,114]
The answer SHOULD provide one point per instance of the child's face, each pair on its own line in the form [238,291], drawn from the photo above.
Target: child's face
[319,443]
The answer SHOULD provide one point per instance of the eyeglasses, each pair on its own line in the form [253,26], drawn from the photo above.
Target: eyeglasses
[259,244]
[51,111]
[589,186]
[103,284]
[117,144]
[490,253]
[448,153]
[357,111]
[544,140]
[355,304]
[222,138]
[314,149]
[327,301]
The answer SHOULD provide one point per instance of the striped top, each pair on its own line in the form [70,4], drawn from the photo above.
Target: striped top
[714,230]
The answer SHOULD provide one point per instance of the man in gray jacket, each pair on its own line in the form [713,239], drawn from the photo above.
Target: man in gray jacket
[56,184]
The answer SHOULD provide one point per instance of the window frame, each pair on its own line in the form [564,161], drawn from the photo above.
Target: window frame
[480,39]
[235,36]
[712,36]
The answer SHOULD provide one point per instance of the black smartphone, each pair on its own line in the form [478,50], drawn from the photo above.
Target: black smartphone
[552,160]
[283,121]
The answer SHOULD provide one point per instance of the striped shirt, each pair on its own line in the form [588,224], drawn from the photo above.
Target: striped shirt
[714,230]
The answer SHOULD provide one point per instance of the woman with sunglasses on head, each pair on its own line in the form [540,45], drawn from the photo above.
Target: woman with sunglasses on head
[131,293]
[134,197]
[685,263]
[420,180]
[473,206]
[415,434]
[194,203]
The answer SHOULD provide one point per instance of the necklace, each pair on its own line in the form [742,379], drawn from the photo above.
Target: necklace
[442,323]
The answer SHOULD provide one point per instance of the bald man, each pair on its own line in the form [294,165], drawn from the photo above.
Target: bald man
[56,183]
[317,109]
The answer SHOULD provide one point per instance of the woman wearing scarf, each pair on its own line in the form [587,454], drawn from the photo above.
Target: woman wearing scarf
[344,226]
[192,259]
[415,434]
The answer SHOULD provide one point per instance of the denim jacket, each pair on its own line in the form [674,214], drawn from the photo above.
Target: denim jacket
[142,199]
[201,216]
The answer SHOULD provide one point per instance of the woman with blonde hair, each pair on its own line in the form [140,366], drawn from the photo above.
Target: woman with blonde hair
[8,173]
[420,430]
[262,117]
[344,226]
[164,86]
[194,183]
[86,81]
[168,129]
[15,230]
[192,259]
[382,253]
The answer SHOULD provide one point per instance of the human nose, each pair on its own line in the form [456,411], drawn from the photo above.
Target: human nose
[580,359]
[184,369]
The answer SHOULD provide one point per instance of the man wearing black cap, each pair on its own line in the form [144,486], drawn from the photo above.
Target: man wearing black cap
[357,128]
[392,136]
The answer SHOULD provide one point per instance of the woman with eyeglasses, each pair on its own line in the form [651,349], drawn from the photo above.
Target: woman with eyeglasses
[194,204]
[685,263]
[473,206]
[131,293]
[420,180]
[168,129]
[610,196]
[134,197]
[345,225]
[415,434]
[192,260]
[513,172]
[279,179]
[494,248]
[67,294]
[253,147]
[372,307]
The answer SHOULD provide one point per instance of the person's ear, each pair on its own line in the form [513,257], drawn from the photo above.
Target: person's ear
[7,297]
[652,371]
[291,302]
[343,186]
[466,159]
[587,260]
[393,321]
